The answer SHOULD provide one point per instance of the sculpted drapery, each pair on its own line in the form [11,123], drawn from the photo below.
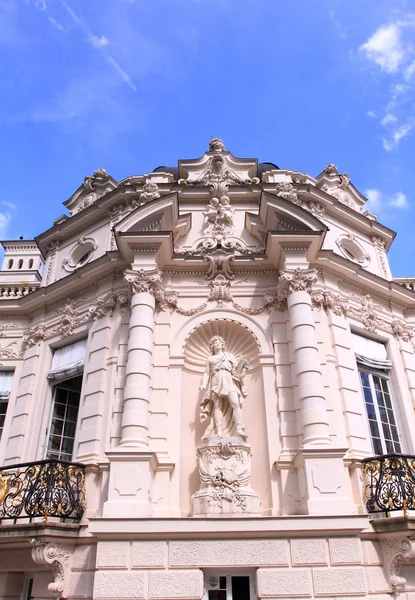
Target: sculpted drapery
[223,380]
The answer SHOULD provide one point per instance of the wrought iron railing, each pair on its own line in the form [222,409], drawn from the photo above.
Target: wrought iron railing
[389,483]
[48,488]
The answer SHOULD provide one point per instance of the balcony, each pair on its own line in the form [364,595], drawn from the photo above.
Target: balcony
[389,483]
[44,489]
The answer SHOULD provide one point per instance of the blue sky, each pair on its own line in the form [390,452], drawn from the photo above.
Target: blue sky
[129,85]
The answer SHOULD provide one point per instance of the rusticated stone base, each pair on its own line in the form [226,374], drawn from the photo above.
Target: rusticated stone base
[225,474]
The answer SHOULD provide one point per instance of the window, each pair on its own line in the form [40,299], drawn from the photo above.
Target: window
[229,587]
[6,378]
[64,419]
[373,370]
[66,375]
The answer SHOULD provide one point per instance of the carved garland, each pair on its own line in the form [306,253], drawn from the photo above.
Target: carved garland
[71,317]
[366,311]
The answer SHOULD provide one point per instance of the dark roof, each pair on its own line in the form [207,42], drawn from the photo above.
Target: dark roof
[173,170]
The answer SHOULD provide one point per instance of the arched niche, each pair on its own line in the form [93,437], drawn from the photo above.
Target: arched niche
[242,343]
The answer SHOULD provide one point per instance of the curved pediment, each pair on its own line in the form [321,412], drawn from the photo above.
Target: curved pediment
[92,188]
[158,215]
[277,213]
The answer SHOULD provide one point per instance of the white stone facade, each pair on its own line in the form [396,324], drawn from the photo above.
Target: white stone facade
[107,327]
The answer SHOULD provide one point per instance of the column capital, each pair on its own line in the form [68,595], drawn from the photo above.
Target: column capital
[144,280]
[295,280]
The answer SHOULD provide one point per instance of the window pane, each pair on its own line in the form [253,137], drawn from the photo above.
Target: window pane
[371,411]
[217,594]
[377,446]
[374,429]
[364,378]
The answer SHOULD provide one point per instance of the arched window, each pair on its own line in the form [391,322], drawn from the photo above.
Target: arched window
[10,263]
[20,265]
[31,263]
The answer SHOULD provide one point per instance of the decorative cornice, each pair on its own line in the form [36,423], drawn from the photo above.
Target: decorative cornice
[71,317]
[57,557]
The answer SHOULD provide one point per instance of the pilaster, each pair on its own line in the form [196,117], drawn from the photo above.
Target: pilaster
[133,462]
[324,485]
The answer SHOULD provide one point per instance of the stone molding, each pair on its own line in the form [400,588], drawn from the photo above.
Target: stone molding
[70,317]
[57,557]
[366,311]
[396,552]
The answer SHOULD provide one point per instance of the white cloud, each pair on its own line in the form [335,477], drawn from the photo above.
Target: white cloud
[410,71]
[98,42]
[385,47]
[377,200]
[5,219]
[388,118]
[391,48]
[9,204]
[399,200]
[56,24]
[374,200]
[399,134]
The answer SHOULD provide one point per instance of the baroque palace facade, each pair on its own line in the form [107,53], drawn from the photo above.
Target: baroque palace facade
[207,389]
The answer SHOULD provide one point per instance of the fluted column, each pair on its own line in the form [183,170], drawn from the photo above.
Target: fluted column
[295,286]
[146,286]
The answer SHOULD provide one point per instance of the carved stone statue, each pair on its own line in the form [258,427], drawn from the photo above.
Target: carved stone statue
[222,402]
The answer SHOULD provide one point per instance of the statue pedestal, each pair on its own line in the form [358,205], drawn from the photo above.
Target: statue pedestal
[225,473]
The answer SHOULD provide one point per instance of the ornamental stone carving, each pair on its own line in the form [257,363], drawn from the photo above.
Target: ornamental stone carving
[295,280]
[219,217]
[329,301]
[57,558]
[331,169]
[9,352]
[224,454]
[287,191]
[105,305]
[147,281]
[216,145]
[396,552]
[222,402]
[150,192]
[366,312]
[402,330]
[315,208]
[34,336]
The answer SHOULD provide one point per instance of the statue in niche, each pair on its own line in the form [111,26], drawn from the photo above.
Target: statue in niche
[222,403]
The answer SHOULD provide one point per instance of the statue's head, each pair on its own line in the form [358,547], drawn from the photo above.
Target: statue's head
[216,145]
[216,342]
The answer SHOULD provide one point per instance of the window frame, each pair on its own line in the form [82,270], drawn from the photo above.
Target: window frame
[386,376]
[229,574]
[54,387]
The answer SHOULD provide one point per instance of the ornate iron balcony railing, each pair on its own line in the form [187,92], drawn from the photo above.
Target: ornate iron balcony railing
[389,483]
[48,488]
